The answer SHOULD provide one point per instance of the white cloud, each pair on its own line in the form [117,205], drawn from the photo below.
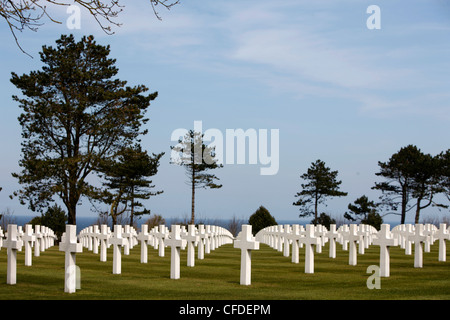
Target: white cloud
[296,47]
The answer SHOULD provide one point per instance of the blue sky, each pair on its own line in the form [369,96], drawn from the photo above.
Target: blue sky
[336,91]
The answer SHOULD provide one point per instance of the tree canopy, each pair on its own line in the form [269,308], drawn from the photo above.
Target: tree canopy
[409,174]
[75,114]
[261,219]
[197,159]
[321,184]
[365,212]
[126,181]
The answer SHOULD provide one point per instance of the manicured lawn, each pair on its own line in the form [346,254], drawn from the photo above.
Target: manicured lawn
[217,277]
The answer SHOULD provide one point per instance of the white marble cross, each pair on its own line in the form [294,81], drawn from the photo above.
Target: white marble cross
[127,235]
[213,238]
[353,238]
[246,242]
[309,240]
[95,240]
[43,238]
[192,240]
[144,237]
[320,232]
[286,233]
[12,244]
[71,247]
[118,242]
[89,238]
[442,234]
[344,229]
[37,243]
[294,235]
[332,235]
[161,235]
[385,239]
[429,232]
[176,243]
[103,237]
[418,238]
[28,238]
[280,234]
[364,233]
[208,236]
[201,243]
[406,233]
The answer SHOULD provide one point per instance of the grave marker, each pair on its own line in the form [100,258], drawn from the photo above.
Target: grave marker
[176,243]
[294,236]
[192,240]
[246,242]
[201,243]
[309,240]
[37,243]
[418,238]
[71,247]
[144,237]
[385,239]
[353,238]
[28,238]
[161,235]
[332,236]
[118,242]
[442,234]
[286,233]
[12,244]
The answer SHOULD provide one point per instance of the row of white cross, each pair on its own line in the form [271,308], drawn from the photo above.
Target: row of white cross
[349,236]
[205,238]
[41,238]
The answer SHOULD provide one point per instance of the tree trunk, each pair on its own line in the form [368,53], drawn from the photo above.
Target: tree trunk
[193,198]
[404,203]
[72,213]
[132,206]
[416,220]
[315,209]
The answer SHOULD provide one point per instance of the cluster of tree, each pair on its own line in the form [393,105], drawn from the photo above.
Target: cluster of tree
[412,181]
[79,120]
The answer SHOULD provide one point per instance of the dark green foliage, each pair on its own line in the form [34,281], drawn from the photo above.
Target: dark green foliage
[54,218]
[75,114]
[126,181]
[409,174]
[365,212]
[324,220]
[444,172]
[322,183]
[261,219]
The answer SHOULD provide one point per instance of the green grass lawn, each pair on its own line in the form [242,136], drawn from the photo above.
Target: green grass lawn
[217,277]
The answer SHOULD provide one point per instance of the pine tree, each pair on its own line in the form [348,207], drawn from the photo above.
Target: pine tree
[75,115]
[409,174]
[322,183]
[365,211]
[197,159]
[126,181]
